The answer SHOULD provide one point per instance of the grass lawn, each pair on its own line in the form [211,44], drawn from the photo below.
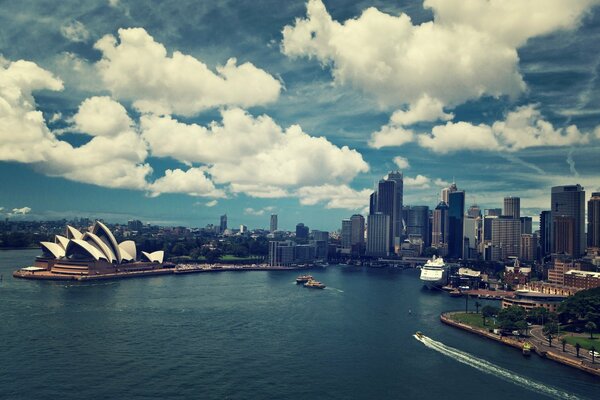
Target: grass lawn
[584,341]
[229,257]
[473,319]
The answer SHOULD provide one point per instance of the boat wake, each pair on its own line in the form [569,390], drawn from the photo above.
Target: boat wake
[492,369]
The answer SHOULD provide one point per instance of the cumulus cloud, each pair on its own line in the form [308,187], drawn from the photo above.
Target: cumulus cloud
[75,31]
[419,181]
[253,154]
[211,203]
[138,68]
[102,116]
[193,182]
[522,128]
[425,109]
[401,162]
[261,211]
[20,211]
[390,135]
[334,196]
[467,51]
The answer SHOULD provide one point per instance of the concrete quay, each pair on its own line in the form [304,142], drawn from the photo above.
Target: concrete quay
[539,347]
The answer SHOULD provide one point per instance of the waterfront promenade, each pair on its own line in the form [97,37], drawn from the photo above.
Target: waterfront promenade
[540,345]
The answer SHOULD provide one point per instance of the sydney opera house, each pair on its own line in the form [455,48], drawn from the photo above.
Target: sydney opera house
[91,253]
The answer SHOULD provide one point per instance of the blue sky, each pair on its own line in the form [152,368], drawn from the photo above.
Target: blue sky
[178,112]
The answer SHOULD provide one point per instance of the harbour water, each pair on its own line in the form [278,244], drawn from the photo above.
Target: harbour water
[243,335]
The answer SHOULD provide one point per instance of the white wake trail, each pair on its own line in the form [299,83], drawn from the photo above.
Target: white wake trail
[492,369]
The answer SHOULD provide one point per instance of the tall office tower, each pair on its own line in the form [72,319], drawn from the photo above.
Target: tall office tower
[493,212]
[321,243]
[378,234]
[273,226]
[357,238]
[386,204]
[526,225]
[346,233]
[456,215]
[301,231]
[545,233]
[506,238]
[471,237]
[373,203]
[563,233]
[569,201]
[398,179]
[474,211]
[487,227]
[439,229]
[593,233]
[223,224]
[417,222]
[512,207]
[529,244]
[446,192]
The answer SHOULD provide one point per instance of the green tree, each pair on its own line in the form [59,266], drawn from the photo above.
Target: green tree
[591,327]
[537,315]
[550,330]
[508,317]
[487,312]
[577,347]
[522,327]
[563,341]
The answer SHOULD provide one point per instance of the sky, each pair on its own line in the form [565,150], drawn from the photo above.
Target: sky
[176,112]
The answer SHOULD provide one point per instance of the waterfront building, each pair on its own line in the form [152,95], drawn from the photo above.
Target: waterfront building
[526,225]
[417,222]
[529,245]
[593,232]
[301,231]
[357,236]
[506,238]
[545,233]
[456,212]
[439,230]
[378,235]
[281,253]
[512,207]
[568,201]
[321,243]
[223,223]
[530,300]
[273,224]
[386,204]
[346,235]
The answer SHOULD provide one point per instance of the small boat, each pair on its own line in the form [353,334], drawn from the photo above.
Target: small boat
[303,278]
[419,334]
[527,349]
[314,284]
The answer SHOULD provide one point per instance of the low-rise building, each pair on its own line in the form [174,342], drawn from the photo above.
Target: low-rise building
[582,279]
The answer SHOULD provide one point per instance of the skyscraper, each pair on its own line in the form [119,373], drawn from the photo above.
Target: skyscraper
[564,234]
[474,211]
[417,222]
[526,225]
[357,237]
[373,203]
[386,204]
[301,231]
[528,247]
[593,235]
[545,233]
[512,207]
[493,212]
[439,230]
[346,234]
[273,226]
[506,238]
[223,224]
[456,213]
[569,201]
[378,234]
[446,192]
[398,179]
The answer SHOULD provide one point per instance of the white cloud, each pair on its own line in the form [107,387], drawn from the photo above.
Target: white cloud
[522,128]
[211,203]
[75,31]
[139,69]
[469,50]
[401,162]
[102,116]
[253,154]
[193,182]
[20,211]
[597,132]
[419,181]
[425,109]
[334,196]
[390,135]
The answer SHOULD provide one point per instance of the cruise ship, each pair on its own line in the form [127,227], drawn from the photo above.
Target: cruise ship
[434,273]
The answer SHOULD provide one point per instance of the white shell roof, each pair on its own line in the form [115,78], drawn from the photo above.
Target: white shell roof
[101,229]
[128,250]
[91,250]
[99,244]
[156,256]
[61,241]
[73,233]
[55,249]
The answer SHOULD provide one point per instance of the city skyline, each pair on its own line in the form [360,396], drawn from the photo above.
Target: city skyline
[318,133]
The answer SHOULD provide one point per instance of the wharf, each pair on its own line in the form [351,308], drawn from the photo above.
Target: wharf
[540,348]
[199,268]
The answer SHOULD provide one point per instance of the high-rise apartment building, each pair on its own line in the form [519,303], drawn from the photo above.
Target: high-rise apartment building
[273,225]
[512,207]
[378,234]
[568,201]
[593,234]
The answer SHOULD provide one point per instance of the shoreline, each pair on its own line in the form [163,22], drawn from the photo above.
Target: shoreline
[200,268]
[508,341]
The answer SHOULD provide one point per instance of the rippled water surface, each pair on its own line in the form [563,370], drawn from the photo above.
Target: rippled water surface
[254,335]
